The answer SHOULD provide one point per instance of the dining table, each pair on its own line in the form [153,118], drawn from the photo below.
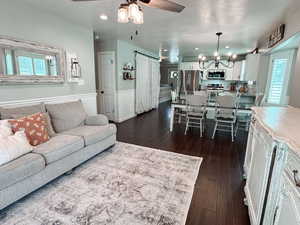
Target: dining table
[210,107]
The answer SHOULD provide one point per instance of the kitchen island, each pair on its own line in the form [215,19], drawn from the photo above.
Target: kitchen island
[272,165]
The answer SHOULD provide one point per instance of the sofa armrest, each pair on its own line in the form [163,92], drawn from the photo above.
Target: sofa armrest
[97,120]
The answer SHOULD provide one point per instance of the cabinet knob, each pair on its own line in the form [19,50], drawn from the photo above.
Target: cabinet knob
[297,182]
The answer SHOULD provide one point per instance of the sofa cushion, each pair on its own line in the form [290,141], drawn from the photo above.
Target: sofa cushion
[59,147]
[14,146]
[66,116]
[18,112]
[96,120]
[20,168]
[93,134]
[35,127]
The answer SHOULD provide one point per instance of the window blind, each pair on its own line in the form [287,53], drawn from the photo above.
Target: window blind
[279,67]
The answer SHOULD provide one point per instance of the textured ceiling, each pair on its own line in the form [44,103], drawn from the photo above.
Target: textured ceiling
[241,21]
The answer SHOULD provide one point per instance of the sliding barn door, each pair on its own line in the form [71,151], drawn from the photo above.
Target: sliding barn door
[155,83]
[147,83]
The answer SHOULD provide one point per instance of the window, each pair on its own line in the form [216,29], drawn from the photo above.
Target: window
[28,63]
[277,80]
[25,65]
[9,62]
[280,69]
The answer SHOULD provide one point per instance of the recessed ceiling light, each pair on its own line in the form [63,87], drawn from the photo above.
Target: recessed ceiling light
[165,50]
[196,49]
[103,17]
[227,46]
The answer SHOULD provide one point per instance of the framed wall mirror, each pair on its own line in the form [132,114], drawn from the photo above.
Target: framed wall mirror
[27,62]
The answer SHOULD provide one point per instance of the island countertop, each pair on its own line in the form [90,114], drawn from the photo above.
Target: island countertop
[282,123]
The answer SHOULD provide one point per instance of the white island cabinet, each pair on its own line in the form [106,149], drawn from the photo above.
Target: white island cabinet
[272,166]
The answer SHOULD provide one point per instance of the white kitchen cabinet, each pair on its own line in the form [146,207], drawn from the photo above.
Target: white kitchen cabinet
[256,67]
[189,66]
[288,210]
[249,149]
[237,71]
[262,150]
[272,156]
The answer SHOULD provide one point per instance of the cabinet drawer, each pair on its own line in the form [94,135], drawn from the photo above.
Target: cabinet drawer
[292,170]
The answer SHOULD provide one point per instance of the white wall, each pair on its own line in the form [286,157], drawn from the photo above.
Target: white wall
[19,20]
[291,20]
[125,89]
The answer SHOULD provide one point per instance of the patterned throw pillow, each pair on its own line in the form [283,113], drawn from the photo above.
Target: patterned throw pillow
[35,127]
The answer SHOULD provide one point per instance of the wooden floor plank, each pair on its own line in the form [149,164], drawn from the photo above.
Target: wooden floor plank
[218,195]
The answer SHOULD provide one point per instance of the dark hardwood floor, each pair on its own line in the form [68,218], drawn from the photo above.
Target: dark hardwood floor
[218,195]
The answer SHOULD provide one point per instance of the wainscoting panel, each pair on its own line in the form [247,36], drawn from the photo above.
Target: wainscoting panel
[88,100]
[125,105]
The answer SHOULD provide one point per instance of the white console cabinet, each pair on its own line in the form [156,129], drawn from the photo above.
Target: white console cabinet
[272,166]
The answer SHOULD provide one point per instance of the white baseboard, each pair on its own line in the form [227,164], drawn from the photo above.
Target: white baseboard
[88,100]
[125,105]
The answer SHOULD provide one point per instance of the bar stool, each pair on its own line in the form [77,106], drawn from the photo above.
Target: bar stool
[225,114]
[195,112]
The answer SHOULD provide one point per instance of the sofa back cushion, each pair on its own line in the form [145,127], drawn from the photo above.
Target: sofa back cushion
[66,116]
[18,112]
[35,127]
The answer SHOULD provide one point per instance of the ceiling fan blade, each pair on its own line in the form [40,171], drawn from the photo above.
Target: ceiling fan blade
[164,4]
[84,0]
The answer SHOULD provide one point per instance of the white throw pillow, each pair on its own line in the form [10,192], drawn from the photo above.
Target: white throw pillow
[5,128]
[14,146]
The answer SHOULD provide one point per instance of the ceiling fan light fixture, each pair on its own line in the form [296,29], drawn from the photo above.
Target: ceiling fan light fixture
[139,18]
[133,11]
[123,13]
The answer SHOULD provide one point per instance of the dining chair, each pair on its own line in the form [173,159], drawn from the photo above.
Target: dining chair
[242,121]
[195,112]
[225,114]
[259,99]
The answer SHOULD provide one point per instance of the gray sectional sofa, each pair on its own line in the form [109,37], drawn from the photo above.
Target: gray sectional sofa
[78,137]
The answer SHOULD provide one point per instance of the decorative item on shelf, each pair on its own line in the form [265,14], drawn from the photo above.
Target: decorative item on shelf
[276,36]
[128,71]
[217,59]
[74,68]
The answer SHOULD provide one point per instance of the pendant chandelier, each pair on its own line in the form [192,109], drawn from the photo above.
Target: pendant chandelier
[130,12]
[206,62]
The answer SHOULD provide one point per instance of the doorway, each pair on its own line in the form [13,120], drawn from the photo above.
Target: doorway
[107,85]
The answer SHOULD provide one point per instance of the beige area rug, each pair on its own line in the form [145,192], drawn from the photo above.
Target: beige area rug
[126,185]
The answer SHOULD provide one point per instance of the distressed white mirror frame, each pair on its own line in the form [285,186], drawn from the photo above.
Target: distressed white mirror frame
[8,42]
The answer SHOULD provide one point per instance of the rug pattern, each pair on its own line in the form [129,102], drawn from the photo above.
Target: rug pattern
[126,185]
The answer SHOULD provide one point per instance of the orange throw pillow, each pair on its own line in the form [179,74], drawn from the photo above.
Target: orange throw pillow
[35,127]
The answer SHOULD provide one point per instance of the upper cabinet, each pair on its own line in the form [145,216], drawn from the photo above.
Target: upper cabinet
[189,66]
[255,67]
[235,73]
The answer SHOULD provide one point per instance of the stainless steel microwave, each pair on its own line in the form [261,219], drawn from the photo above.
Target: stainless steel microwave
[216,74]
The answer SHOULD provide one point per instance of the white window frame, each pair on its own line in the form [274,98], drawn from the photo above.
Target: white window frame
[290,56]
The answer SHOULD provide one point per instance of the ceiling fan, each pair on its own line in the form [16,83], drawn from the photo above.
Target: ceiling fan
[160,4]
[132,11]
